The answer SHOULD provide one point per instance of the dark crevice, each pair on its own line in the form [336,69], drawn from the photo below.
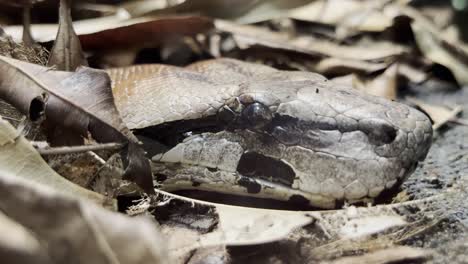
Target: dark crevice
[171,133]
[252,164]
[247,201]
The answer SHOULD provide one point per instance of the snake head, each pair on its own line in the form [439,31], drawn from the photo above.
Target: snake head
[292,136]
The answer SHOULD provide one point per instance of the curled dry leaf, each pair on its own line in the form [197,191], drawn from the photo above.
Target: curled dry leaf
[384,85]
[438,114]
[230,225]
[243,11]
[336,66]
[209,224]
[74,105]
[438,49]
[246,35]
[96,34]
[49,220]
[66,54]
[398,254]
[18,157]
[361,15]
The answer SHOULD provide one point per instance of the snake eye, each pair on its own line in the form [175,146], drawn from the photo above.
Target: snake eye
[256,115]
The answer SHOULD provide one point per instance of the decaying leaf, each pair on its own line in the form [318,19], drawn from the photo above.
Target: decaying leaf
[18,157]
[435,47]
[390,255]
[336,66]
[362,15]
[243,11]
[439,114]
[369,225]
[246,35]
[225,225]
[384,85]
[64,228]
[66,54]
[74,104]
[142,32]
[192,224]
[121,31]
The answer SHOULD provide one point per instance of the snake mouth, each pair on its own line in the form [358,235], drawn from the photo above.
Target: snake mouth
[282,157]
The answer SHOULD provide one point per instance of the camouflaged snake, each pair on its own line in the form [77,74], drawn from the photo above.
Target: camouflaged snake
[247,129]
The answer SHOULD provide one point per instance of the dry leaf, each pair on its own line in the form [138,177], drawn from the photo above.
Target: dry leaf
[246,36]
[438,114]
[243,11]
[365,226]
[361,15]
[384,85]
[120,31]
[336,66]
[18,157]
[398,254]
[66,228]
[435,47]
[230,226]
[74,105]
[66,54]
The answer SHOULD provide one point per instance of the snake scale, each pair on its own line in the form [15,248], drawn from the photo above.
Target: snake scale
[241,128]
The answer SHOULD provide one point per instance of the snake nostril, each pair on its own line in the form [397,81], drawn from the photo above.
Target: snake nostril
[387,133]
[378,132]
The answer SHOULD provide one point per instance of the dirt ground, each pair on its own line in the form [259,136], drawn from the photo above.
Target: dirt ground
[446,166]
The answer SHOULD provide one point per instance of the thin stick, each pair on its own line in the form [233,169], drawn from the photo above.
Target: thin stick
[79,149]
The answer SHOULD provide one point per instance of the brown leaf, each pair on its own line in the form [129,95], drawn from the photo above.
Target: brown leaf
[246,35]
[243,11]
[57,228]
[121,32]
[74,105]
[337,66]
[66,54]
[19,158]
[144,31]
[384,85]
[397,254]
[439,114]
[436,47]
[361,15]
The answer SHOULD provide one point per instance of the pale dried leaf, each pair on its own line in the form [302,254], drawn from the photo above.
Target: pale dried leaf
[411,73]
[91,234]
[18,157]
[370,225]
[243,11]
[390,255]
[435,47]
[439,114]
[235,226]
[364,16]
[384,85]
[17,244]
[337,66]
[246,35]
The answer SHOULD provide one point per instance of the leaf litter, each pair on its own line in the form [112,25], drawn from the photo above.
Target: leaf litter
[336,45]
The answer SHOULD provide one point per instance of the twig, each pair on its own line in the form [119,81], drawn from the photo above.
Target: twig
[78,149]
